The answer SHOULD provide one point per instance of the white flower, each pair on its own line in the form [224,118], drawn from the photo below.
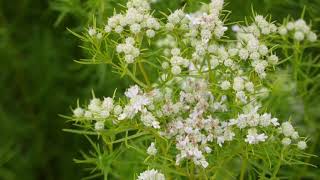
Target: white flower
[169,26]
[265,30]
[92,31]
[78,112]
[88,114]
[273,59]
[254,56]
[243,54]
[253,45]
[153,23]
[107,29]
[295,135]
[299,36]
[228,62]
[259,67]
[286,141]
[219,31]
[151,175]
[135,28]
[249,87]
[241,96]
[282,30]
[129,58]
[212,48]
[132,91]
[275,122]
[150,33]
[104,113]
[225,85]
[99,125]
[99,35]
[118,29]
[130,40]
[301,25]
[290,26]
[122,116]
[238,83]
[117,109]
[152,150]
[176,70]
[233,51]
[120,48]
[253,137]
[94,105]
[165,65]
[312,37]
[302,145]
[138,102]
[287,129]
[149,120]
[175,52]
[235,28]
[263,50]
[107,104]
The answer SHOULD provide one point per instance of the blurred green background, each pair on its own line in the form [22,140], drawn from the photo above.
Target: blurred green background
[40,80]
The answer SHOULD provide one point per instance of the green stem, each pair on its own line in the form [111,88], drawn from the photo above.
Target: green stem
[192,171]
[243,168]
[274,174]
[135,79]
[105,175]
[297,61]
[145,76]
[210,70]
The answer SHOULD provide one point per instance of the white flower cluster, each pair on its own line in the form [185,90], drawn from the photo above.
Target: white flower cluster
[253,137]
[151,175]
[137,102]
[176,62]
[93,32]
[97,110]
[137,18]
[290,134]
[167,43]
[299,29]
[136,21]
[152,150]
[261,26]
[251,48]
[196,110]
[128,48]
[200,25]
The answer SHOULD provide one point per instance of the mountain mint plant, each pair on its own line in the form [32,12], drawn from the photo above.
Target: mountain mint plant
[195,109]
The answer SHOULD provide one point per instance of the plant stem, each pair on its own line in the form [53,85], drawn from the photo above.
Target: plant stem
[243,168]
[135,79]
[145,76]
[274,174]
[105,175]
